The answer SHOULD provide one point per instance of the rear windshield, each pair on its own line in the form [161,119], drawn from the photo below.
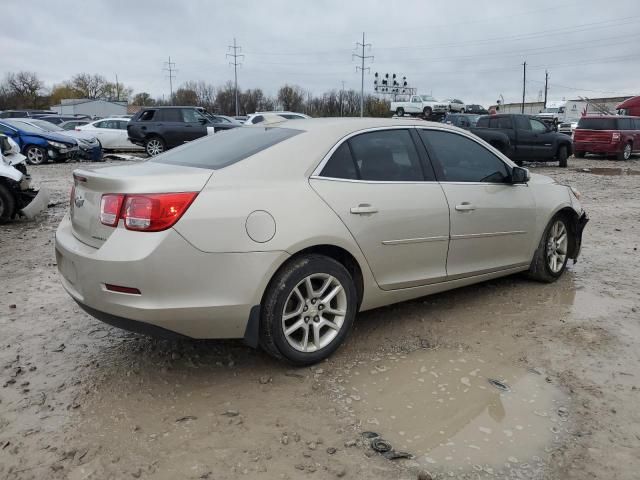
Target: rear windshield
[598,123]
[225,148]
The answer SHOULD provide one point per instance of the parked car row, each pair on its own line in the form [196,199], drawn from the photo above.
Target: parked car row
[427,106]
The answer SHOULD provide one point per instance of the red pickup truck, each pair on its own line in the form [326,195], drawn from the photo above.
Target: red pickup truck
[611,135]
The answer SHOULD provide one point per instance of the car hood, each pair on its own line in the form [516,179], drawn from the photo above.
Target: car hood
[538,179]
[78,134]
[54,137]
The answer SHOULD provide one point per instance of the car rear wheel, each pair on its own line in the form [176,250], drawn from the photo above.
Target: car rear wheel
[563,154]
[400,112]
[35,155]
[308,310]
[7,204]
[427,112]
[462,110]
[550,260]
[625,154]
[154,146]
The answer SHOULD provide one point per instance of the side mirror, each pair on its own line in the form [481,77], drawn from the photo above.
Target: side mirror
[520,175]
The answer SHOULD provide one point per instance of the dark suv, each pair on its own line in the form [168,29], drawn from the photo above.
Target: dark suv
[160,128]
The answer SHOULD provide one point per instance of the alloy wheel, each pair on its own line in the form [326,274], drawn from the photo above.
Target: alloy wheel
[314,312]
[557,243]
[627,151]
[35,156]
[154,147]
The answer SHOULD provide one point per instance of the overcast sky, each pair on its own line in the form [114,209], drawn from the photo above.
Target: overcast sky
[467,49]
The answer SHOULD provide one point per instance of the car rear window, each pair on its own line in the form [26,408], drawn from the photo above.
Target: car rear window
[598,123]
[225,148]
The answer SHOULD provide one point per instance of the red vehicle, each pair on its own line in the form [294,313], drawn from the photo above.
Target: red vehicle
[608,134]
[631,106]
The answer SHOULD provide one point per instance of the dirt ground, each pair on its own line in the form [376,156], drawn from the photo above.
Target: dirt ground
[82,400]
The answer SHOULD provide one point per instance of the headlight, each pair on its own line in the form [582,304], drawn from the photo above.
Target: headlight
[575,192]
[57,144]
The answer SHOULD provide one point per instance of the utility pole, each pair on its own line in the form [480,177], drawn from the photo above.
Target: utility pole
[362,58]
[117,89]
[546,87]
[341,100]
[171,68]
[524,84]
[235,55]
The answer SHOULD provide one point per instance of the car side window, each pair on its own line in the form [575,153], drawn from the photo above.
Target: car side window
[536,126]
[341,164]
[122,124]
[386,155]
[190,115]
[257,119]
[637,123]
[464,160]
[505,122]
[6,130]
[101,124]
[522,123]
[169,115]
[147,115]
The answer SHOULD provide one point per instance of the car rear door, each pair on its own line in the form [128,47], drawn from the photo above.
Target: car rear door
[171,127]
[107,133]
[390,202]
[492,220]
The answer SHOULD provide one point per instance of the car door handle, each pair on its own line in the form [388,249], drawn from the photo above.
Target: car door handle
[363,208]
[465,207]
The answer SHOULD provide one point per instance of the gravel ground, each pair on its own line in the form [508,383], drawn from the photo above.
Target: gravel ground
[82,400]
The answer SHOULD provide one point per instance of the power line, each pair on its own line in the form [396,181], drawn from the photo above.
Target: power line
[235,55]
[362,58]
[170,67]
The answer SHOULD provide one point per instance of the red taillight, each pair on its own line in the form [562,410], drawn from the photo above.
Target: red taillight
[110,206]
[615,137]
[151,212]
[121,289]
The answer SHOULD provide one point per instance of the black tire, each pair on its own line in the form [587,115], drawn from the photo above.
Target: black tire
[427,112]
[7,204]
[154,145]
[282,286]
[35,155]
[400,112]
[540,269]
[563,155]
[462,110]
[580,154]
[625,154]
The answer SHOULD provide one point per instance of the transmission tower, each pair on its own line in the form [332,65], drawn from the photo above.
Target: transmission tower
[235,55]
[170,67]
[360,67]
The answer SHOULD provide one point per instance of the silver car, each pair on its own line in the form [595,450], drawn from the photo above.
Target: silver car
[280,233]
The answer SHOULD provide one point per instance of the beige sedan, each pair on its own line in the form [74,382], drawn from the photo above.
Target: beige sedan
[280,233]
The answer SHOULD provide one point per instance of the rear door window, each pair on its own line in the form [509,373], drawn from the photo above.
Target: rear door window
[169,115]
[341,164]
[505,122]
[227,147]
[625,123]
[386,155]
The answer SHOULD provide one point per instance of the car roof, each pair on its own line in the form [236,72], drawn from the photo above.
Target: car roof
[610,116]
[109,118]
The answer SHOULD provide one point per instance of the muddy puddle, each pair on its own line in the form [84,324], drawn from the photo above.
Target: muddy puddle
[440,406]
[608,171]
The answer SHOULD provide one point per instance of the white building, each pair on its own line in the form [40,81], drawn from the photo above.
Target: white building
[93,108]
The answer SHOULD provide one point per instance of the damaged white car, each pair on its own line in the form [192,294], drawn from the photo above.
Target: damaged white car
[17,198]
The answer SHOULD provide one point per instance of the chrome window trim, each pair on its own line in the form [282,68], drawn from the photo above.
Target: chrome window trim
[316,174]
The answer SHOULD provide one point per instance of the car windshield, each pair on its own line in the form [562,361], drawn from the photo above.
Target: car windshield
[23,126]
[428,98]
[225,148]
[598,124]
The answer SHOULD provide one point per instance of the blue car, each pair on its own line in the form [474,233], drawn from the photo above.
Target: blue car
[38,145]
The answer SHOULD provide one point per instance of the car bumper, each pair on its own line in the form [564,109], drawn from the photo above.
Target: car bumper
[594,147]
[183,290]
[91,153]
[63,154]
[36,204]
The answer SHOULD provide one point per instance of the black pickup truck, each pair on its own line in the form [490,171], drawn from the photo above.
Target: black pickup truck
[529,139]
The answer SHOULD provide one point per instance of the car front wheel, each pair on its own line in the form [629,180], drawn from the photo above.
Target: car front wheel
[550,259]
[308,310]
[36,155]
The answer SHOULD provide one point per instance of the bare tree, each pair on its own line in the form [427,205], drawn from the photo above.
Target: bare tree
[25,87]
[291,97]
[89,86]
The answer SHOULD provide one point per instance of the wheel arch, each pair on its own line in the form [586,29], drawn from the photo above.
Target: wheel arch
[562,142]
[572,217]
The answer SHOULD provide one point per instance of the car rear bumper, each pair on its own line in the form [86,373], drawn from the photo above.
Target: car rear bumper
[182,290]
[596,147]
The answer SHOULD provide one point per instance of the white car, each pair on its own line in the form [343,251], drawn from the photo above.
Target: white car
[112,133]
[456,105]
[280,233]
[259,117]
[419,105]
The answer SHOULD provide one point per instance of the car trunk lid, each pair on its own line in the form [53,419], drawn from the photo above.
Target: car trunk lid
[147,177]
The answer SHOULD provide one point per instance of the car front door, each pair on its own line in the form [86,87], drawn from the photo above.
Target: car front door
[195,124]
[543,138]
[415,105]
[492,220]
[389,200]
[107,133]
